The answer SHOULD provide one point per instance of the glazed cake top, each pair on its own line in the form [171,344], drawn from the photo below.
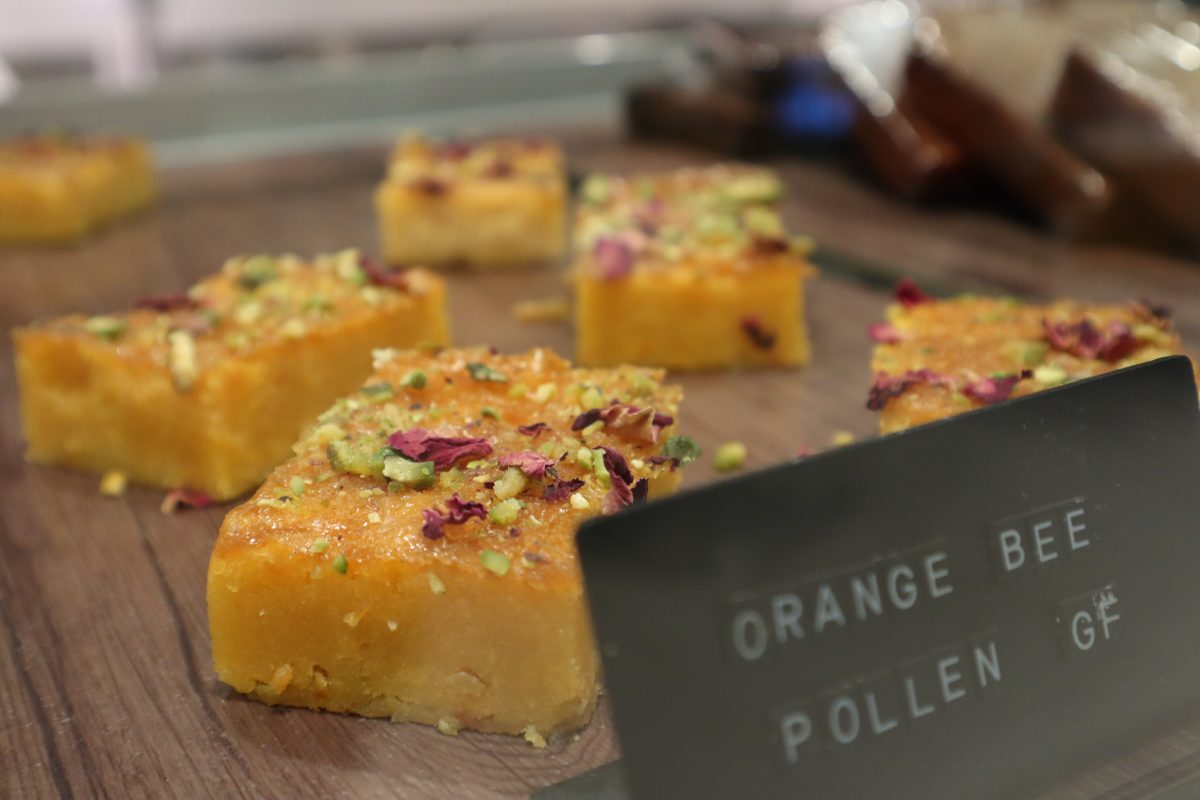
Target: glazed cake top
[253,302]
[434,166]
[53,151]
[466,458]
[716,219]
[935,358]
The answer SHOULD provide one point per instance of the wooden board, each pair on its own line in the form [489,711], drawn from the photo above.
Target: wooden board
[106,686]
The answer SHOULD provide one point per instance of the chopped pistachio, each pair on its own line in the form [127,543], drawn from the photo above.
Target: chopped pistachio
[1050,375]
[592,428]
[450,478]
[682,449]
[641,385]
[247,313]
[637,463]
[482,372]
[519,390]
[318,302]
[729,456]
[416,379]
[435,584]
[1151,333]
[181,360]
[256,271]
[346,457]
[236,340]
[584,457]
[413,474]
[591,398]
[378,392]
[489,412]
[764,221]
[374,518]
[494,562]
[578,501]
[105,327]
[294,328]
[340,564]
[753,187]
[544,392]
[272,502]
[596,189]
[319,545]
[599,468]
[113,483]
[297,486]
[1029,354]
[505,512]
[510,484]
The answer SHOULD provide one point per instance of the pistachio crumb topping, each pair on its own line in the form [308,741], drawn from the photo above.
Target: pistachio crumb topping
[374,518]
[482,372]
[729,457]
[435,584]
[494,562]
[297,485]
[319,545]
[181,360]
[842,438]
[414,379]
[489,412]
[340,564]
[579,502]
[505,512]
[105,327]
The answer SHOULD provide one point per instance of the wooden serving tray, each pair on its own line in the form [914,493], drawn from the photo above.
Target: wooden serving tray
[106,686]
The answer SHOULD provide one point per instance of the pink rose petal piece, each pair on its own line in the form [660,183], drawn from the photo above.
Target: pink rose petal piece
[421,445]
[532,464]
[908,294]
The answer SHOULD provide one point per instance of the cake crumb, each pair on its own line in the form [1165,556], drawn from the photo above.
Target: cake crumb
[448,726]
[392,625]
[533,737]
[282,679]
[842,438]
[352,618]
[542,309]
[113,483]
[435,584]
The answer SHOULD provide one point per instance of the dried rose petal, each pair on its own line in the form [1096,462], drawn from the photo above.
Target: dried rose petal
[641,490]
[434,520]
[459,511]
[454,151]
[536,558]
[614,257]
[533,429]
[885,333]
[1085,340]
[430,186]
[420,445]
[1149,309]
[616,465]
[888,386]
[166,302]
[181,498]
[585,419]
[993,390]
[501,168]
[769,245]
[561,490]
[379,275]
[754,327]
[532,464]
[908,294]
[619,496]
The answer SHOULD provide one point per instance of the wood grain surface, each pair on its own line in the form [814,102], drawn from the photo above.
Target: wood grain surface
[106,685]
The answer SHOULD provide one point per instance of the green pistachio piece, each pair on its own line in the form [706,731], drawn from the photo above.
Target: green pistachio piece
[413,474]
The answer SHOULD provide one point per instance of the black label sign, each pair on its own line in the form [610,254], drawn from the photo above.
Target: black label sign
[975,608]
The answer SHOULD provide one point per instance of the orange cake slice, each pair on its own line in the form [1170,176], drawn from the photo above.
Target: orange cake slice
[935,358]
[57,187]
[691,269]
[208,390]
[416,559]
[484,205]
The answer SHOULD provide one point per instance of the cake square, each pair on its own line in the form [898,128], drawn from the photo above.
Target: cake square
[416,559]
[691,269]
[936,358]
[208,390]
[493,204]
[57,187]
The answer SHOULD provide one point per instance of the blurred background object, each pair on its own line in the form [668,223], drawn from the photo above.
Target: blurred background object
[1081,117]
